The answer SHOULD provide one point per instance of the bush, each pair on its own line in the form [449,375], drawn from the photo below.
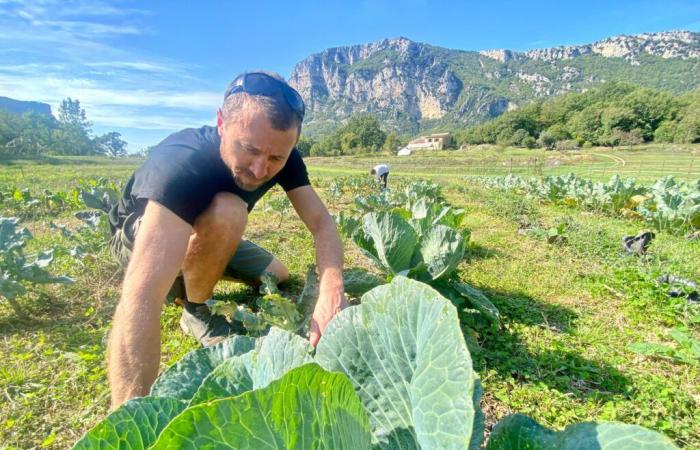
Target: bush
[616,137]
[666,132]
[547,140]
[688,131]
[529,142]
[569,144]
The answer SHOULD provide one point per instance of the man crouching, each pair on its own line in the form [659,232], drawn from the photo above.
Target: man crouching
[178,227]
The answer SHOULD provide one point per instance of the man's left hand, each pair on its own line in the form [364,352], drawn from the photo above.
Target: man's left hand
[327,307]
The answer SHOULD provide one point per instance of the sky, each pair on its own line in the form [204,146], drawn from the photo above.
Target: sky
[149,68]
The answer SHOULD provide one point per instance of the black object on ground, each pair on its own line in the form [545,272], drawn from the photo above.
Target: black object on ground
[682,288]
[638,244]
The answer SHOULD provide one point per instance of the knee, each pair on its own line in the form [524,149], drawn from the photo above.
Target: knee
[227,215]
[279,269]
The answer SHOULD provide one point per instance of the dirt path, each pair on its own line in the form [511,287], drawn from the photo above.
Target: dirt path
[618,161]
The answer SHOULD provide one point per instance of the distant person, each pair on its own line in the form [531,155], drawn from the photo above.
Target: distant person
[179,225]
[381,172]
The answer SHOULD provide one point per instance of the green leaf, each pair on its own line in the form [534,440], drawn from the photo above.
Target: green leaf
[479,418]
[268,284]
[133,426]
[394,240]
[277,310]
[182,379]
[309,295]
[359,281]
[273,356]
[441,250]
[522,433]
[479,301]
[10,288]
[92,201]
[308,408]
[402,347]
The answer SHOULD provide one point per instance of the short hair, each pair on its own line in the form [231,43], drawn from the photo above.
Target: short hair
[281,116]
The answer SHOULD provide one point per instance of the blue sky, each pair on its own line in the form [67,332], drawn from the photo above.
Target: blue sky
[146,69]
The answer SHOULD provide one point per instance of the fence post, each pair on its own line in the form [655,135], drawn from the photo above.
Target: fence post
[690,167]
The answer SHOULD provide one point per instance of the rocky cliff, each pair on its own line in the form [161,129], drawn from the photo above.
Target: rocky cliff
[413,86]
[21,107]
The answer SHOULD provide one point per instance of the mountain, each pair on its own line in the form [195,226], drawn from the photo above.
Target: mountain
[21,107]
[413,86]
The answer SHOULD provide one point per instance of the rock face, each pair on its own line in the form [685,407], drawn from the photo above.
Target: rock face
[393,76]
[21,107]
[670,44]
[412,86]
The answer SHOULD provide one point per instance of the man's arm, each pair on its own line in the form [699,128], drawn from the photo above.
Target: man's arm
[134,343]
[329,257]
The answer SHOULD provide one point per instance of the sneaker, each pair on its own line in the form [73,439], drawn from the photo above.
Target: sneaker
[206,327]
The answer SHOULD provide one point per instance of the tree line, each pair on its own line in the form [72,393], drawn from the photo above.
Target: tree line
[362,134]
[610,115]
[32,134]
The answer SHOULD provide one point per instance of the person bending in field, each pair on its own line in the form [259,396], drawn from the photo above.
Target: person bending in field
[179,225]
[381,172]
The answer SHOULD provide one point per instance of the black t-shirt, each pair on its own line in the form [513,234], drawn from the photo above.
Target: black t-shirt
[185,171]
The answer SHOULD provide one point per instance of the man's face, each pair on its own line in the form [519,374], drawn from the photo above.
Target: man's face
[253,150]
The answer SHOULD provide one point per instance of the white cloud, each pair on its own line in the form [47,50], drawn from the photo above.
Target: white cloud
[132,65]
[53,49]
[99,97]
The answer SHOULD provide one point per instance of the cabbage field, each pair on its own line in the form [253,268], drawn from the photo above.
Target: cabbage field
[495,312]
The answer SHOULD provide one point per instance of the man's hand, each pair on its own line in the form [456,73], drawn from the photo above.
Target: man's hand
[326,308]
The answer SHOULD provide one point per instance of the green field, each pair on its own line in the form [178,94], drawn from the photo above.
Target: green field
[646,163]
[570,309]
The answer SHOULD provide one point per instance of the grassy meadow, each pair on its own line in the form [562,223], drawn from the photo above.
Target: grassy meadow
[570,309]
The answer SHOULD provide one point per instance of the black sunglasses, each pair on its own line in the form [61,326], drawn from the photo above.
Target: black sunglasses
[257,83]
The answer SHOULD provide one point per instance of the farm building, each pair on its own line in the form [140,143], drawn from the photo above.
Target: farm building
[437,141]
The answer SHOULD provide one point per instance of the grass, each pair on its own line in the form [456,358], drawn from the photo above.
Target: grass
[570,309]
[647,163]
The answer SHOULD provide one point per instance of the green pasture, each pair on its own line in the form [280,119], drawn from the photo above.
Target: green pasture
[646,163]
[570,309]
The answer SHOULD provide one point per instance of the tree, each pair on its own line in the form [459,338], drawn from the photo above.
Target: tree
[666,132]
[366,127]
[112,144]
[72,140]
[304,145]
[70,112]
[145,152]
[349,141]
[393,142]
[73,134]
[547,140]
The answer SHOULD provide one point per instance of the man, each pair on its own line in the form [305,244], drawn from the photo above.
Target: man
[183,214]
[381,172]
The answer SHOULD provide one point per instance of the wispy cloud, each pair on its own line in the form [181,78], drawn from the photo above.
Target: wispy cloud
[109,101]
[57,49]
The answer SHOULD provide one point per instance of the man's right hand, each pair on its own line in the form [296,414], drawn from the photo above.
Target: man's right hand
[134,344]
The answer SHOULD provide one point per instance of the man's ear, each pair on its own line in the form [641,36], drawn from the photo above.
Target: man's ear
[219,121]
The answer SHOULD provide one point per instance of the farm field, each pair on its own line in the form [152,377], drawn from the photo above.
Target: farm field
[570,308]
[645,163]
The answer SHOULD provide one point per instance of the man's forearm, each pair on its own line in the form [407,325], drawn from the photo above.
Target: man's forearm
[134,348]
[329,258]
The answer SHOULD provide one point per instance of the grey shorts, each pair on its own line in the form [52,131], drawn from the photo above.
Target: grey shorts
[247,264]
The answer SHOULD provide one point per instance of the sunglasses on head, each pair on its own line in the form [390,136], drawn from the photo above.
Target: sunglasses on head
[257,83]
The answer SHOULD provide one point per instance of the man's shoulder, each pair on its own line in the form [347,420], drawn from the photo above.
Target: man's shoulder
[203,138]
